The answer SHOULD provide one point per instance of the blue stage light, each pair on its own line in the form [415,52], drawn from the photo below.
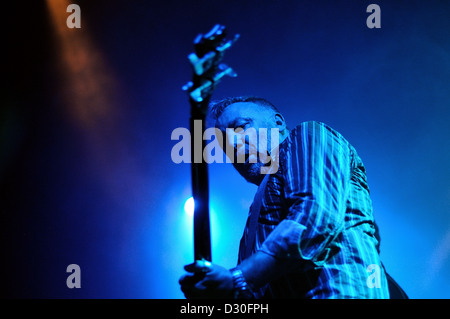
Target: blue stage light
[189,206]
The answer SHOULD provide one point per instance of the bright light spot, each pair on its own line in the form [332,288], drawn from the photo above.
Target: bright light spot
[189,206]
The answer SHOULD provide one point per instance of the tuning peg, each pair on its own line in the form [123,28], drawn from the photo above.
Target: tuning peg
[226,70]
[201,65]
[217,30]
[228,44]
[187,86]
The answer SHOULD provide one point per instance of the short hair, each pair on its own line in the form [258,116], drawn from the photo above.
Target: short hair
[216,108]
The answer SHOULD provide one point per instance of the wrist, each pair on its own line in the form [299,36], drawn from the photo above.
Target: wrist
[241,288]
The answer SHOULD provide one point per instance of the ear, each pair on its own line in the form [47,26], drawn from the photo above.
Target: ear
[280,122]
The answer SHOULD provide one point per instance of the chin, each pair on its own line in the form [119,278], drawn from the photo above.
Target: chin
[251,172]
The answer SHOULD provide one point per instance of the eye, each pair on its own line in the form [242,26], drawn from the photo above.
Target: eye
[242,126]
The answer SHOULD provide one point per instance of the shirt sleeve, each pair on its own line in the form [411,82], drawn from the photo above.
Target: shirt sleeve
[316,171]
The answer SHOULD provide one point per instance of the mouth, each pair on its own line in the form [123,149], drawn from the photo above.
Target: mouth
[242,159]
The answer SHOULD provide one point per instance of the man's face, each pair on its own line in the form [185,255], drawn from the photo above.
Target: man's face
[241,123]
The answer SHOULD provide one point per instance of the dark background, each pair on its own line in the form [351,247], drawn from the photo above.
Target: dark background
[87,115]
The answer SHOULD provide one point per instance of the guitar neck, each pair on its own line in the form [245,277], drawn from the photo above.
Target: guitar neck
[200,192]
[208,71]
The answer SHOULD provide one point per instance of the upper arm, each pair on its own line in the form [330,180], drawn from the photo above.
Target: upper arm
[316,173]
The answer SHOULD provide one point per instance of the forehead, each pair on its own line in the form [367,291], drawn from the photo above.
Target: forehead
[239,110]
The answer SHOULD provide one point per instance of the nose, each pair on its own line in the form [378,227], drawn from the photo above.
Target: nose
[234,139]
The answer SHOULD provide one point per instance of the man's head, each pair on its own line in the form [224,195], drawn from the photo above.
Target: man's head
[247,123]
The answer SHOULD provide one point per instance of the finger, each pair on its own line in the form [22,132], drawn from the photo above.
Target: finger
[187,279]
[187,285]
[191,283]
[194,291]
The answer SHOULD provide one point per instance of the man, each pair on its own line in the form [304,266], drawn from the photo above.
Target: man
[314,234]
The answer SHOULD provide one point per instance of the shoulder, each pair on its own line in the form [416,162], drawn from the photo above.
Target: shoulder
[316,131]
[318,138]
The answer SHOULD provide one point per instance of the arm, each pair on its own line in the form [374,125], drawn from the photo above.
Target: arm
[316,171]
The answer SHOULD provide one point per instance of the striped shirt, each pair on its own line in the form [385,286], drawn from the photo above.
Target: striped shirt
[316,214]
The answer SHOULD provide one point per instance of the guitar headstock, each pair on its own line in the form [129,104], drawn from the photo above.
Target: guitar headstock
[206,62]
